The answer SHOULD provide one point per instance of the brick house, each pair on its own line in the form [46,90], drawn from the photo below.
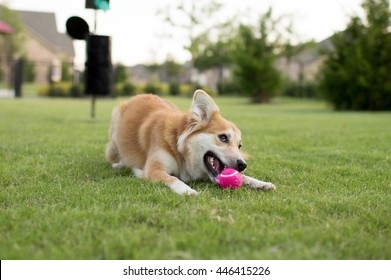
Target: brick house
[44,46]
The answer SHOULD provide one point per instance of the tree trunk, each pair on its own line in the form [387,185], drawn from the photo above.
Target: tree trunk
[261,97]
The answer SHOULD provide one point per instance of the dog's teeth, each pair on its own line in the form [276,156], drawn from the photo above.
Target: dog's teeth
[212,161]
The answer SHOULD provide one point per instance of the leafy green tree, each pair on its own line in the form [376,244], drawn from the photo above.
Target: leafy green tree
[193,20]
[12,18]
[153,85]
[173,71]
[356,74]
[121,74]
[217,52]
[66,75]
[29,72]
[255,56]
[10,44]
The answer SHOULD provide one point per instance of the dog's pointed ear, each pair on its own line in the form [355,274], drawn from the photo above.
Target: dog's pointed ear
[203,106]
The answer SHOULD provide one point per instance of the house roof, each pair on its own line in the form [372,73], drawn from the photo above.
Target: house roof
[43,25]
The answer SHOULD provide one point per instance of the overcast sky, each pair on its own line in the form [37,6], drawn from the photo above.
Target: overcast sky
[135,28]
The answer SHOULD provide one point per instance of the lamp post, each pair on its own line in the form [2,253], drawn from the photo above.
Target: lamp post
[98,67]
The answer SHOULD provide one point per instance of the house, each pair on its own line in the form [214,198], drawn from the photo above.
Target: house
[301,67]
[305,64]
[142,74]
[45,48]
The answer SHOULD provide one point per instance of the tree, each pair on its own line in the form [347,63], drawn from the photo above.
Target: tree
[356,74]
[173,70]
[255,56]
[29,72]
[121,75]
[10,44]
[12,18]
[217,52]
[66,75]
[193,20]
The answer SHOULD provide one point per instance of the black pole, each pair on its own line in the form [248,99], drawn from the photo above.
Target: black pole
[18,77]
[98,70]
[93,102]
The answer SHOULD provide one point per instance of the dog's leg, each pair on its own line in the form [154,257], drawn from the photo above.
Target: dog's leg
[118,165]
[155,171]
[257,184]
[172,182]
[137,172]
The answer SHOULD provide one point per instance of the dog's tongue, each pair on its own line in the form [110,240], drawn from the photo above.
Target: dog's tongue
[218,166]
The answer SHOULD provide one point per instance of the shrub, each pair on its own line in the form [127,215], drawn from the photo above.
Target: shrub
[228,88]
[174,89]
[76,91]
[152,88]
[356,74]
[295,89]
[255,57]
[61,89]
[128,89]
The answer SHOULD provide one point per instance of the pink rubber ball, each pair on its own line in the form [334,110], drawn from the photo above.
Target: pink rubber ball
[229,178]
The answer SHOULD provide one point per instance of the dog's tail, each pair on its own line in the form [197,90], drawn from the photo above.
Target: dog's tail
[112,153]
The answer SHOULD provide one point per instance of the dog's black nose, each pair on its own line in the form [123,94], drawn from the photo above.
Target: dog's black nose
[241,165]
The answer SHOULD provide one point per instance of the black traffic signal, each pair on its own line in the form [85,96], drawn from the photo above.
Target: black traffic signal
[98,70]
[98,4]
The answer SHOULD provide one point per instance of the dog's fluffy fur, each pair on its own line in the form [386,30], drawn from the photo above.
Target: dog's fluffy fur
[158,142]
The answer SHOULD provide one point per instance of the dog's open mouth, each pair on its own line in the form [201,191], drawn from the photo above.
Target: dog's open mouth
[213,164]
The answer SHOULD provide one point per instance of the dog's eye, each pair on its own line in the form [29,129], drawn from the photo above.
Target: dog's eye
[240,145]
[223,138]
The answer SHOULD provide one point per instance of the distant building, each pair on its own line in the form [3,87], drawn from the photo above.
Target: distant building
[141,74]
[304,65]
[45,47]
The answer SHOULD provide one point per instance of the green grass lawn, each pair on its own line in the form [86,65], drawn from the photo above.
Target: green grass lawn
[59,199]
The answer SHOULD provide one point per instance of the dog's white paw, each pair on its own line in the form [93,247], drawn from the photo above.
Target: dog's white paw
[257,184]
[118,165]
[191,191]
[267,186]
[137,172]
[181,188]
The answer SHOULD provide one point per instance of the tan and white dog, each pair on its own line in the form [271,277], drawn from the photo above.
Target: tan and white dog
[158,142]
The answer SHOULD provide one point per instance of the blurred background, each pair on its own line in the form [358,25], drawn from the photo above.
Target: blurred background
[334,50]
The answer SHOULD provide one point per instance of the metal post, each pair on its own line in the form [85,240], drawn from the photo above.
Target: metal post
[18,77]
[95,20]
[93,102]
[93,97]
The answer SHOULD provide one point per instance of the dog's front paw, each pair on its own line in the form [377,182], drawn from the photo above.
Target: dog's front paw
[181,188]
[118,165]
[191,192]
[187,191]
[266,186]
[257,184]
